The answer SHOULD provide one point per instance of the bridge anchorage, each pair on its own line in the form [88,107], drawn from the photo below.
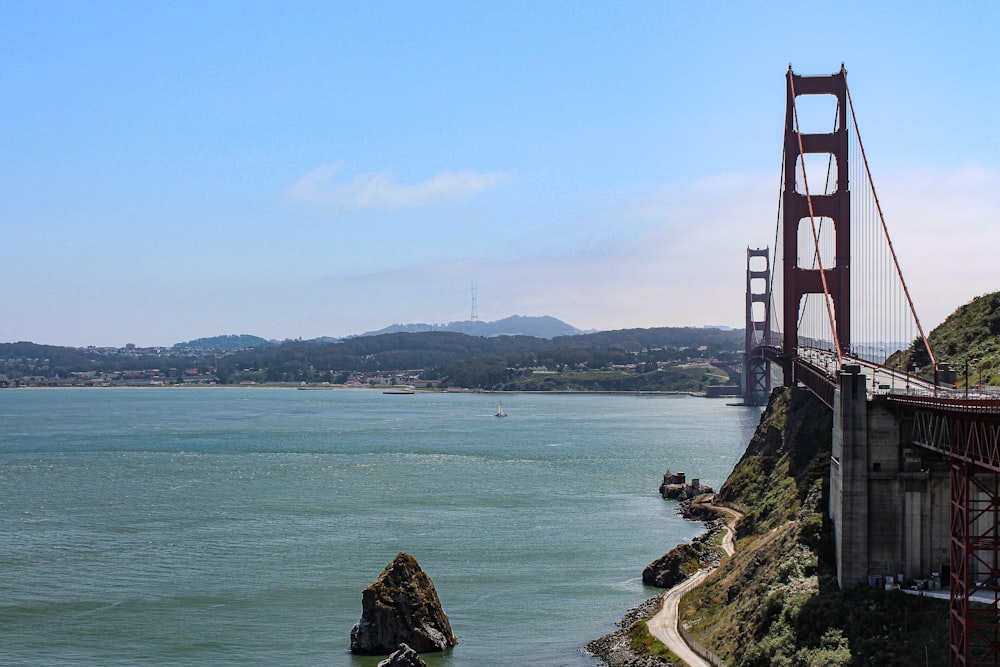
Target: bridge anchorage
[915,466]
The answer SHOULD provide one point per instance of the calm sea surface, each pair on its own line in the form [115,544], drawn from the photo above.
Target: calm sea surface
[221,526]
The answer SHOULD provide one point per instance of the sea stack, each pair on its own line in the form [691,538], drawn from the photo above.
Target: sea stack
[404,657]
[401,607]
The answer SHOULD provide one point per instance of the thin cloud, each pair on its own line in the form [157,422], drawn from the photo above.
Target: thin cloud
[380,191]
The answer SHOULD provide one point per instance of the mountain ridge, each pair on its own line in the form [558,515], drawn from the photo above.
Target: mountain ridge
[543,326]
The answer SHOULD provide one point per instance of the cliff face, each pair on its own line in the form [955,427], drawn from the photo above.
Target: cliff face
[776,602]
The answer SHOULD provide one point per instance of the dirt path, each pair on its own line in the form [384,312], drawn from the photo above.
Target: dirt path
[664,625]
[729,538]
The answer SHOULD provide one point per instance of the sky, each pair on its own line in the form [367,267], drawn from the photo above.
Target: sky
[175,170]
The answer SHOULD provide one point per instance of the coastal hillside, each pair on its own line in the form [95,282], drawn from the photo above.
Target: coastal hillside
[776,601]
[970,335]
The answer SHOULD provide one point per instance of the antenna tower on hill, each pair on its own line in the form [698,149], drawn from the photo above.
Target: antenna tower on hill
[475,307]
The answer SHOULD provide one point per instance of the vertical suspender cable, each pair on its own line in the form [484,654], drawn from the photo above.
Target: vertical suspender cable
[774,260]
[885,230]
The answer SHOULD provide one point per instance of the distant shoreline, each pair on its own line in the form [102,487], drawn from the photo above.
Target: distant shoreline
[583,392]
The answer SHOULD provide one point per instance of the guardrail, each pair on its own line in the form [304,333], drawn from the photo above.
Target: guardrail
[972,405]
[699,648]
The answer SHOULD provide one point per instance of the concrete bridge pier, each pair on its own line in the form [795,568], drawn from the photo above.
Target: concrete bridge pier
[848,477]
[889,500]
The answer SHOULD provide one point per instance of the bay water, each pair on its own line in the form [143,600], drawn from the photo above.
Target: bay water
[238,526]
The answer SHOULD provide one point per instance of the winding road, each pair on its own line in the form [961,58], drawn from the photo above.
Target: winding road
[664,625]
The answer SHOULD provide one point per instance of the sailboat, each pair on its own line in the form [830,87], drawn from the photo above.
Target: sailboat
[500,412]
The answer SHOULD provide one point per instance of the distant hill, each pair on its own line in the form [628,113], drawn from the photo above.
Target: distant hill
[490,362]
[516,325]
[231,342]
[625,360]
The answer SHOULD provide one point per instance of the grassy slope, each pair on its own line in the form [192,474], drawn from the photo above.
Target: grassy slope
[971,333]
[776,601]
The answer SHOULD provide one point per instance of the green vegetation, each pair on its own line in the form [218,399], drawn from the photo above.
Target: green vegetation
[627,360]
[776,601]
[674,378]
[970,335]
[643,643]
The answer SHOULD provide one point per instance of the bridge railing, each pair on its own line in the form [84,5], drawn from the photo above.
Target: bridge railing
[948,403]
[817,379]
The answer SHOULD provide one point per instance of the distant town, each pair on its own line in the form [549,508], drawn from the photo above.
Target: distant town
[666,359]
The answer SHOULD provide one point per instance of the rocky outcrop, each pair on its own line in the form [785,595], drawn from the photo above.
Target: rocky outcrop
[401,607]
[675,487]
[404,657]
[683,560]
[673,567]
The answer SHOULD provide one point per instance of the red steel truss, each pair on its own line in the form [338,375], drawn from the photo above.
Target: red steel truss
[968,432]
[974,614]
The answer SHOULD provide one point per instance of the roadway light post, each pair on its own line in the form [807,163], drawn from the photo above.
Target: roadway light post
[881,353]
[967,360]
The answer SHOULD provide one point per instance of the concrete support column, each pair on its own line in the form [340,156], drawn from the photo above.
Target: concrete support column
[849,477]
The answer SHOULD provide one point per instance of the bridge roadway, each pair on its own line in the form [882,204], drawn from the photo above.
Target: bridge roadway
[962,424]
[882,379]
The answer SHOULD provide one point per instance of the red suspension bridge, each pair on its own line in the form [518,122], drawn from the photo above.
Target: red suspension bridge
[915,472]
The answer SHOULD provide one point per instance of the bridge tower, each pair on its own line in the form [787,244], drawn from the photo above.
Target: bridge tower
[757,369]
[798,209]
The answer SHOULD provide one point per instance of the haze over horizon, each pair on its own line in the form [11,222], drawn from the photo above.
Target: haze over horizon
[183,170]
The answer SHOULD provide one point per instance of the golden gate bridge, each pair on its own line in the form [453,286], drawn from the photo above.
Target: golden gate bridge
[915,467]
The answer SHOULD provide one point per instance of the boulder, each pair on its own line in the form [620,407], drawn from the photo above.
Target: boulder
[404,657]
[675,487]
[401,607]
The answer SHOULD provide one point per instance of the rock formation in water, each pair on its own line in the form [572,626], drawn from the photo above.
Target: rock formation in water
[401,607]
[404,657]
[675,487]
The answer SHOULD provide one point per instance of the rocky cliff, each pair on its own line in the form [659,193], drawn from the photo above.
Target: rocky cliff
[776,602]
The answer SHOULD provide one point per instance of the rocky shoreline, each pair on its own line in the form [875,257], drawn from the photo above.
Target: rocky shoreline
[614,649]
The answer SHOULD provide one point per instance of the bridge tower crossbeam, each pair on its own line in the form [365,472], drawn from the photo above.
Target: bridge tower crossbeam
[798,207]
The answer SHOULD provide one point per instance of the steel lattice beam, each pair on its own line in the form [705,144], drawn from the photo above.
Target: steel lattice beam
[974,614]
